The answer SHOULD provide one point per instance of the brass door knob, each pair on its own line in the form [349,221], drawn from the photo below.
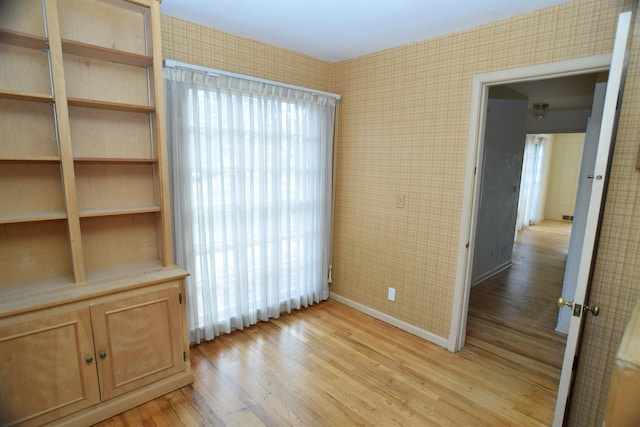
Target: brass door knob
[595,310]
[563,302]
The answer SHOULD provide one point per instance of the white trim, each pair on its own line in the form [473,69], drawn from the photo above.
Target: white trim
[442,342]
[475,144]
[492,272]
[562,327]
[177,64]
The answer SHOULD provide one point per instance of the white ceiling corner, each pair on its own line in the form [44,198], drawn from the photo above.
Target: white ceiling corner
[335,30]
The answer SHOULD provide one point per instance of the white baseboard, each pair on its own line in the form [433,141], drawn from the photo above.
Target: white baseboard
[492,272]
[391,320]
[562,327]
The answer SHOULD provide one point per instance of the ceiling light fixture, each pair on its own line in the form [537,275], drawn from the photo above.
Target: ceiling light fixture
[540,110]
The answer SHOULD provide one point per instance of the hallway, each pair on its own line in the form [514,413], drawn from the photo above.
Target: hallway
[512,315]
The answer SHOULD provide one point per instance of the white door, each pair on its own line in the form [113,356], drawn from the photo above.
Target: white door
[582,203]
[504,138]
[577,302]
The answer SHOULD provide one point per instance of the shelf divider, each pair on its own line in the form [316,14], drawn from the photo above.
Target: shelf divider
[64,140]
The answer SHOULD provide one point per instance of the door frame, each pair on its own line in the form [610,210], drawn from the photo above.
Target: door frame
[473,170]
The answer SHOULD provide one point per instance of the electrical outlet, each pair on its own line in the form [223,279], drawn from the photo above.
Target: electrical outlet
[392,294]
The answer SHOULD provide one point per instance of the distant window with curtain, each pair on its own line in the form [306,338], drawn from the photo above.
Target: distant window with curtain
[530,200]
[251,192]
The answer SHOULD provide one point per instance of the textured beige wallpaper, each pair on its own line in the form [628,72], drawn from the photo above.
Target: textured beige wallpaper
[194,44]
[402,138]
[403,133]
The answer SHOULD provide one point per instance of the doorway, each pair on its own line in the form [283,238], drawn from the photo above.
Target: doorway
[513,312]
[480,90]
[478,143]
[597,178]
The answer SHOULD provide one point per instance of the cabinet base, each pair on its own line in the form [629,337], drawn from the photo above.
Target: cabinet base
[120,404]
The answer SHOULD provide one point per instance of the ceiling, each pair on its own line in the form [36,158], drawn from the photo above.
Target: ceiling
[335,30]
[561,93]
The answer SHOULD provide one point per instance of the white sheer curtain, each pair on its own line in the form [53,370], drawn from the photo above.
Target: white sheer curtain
[250,171]
[530,204]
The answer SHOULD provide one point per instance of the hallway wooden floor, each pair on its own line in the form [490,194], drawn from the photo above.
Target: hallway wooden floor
[515,310]
[329,365]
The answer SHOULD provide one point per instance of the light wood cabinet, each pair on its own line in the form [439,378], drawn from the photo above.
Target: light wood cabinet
[43,374]
[59,361]
[86,264]
[138,339]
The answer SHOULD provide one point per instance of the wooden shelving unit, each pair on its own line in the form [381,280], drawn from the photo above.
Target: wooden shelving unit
[115,106]
[30,41]
[84,218]
[74,47]
[22,96]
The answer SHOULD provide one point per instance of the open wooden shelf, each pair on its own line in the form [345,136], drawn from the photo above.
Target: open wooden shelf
[73,47]
[33,248]
[123,272]
[60,289]
[106,105]
[92,213]
[24,96]
[31,192]
[19,297]
[35,159]
[112,160]
[32,217]
[29,41]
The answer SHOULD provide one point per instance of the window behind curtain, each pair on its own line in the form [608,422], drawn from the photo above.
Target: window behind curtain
[251,193]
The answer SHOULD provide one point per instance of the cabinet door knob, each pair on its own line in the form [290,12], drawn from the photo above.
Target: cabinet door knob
[103,354]
[89,359]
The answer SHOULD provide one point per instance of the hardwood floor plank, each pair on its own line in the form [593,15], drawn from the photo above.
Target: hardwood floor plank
[330,365]
[314,369]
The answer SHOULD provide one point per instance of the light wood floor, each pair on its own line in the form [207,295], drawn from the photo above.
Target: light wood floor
[516,309]
[330,365]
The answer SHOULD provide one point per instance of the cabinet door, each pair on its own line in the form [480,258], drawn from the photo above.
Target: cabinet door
[47,367]
[138,339]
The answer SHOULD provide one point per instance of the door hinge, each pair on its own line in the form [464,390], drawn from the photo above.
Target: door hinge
[467,245]
[180,297]
[184,356]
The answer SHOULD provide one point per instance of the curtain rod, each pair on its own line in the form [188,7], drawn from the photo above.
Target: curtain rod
[172,64]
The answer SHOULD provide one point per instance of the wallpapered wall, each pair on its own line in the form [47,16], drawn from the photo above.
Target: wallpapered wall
[404,131]
[402,139]
[194,44]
